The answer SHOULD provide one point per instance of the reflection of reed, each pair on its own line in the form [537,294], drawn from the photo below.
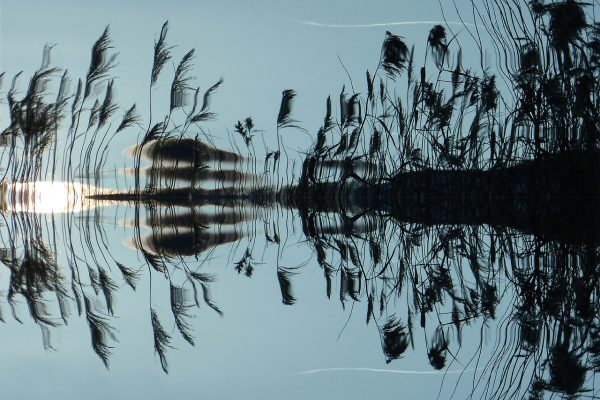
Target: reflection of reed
[87,280]
[457,276]
[84,278]
[444,280]
[454,134]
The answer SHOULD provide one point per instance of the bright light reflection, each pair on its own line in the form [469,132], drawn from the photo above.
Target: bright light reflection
[45,197]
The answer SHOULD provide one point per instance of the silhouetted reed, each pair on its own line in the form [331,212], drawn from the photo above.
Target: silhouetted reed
[453,278]
[454,119]
[89,276]
[453,263]
[451,118]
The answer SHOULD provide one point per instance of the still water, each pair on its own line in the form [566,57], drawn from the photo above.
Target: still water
[212,241]
[219,300]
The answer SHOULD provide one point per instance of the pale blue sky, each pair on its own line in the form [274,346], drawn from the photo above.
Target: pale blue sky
[259,348]
[260,49]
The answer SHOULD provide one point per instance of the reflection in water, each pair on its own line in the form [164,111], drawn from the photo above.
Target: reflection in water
[439,274]
[188,232]
[45,197]
[86,277]
[447,283]
[186,151]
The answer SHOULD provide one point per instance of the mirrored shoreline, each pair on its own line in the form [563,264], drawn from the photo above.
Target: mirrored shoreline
[440,222]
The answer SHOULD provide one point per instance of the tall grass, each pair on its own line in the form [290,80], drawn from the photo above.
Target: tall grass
[447,276]
[444,280]
[543,102]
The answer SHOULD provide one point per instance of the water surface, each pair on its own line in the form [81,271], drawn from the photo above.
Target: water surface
[164,254]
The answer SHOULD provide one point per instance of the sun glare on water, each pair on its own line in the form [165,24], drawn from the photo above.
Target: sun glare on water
[45,197]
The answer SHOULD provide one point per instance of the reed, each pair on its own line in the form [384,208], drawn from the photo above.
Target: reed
[452,260]
[455,119]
